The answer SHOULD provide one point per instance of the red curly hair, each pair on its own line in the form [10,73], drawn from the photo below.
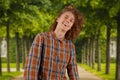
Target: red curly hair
[77,26]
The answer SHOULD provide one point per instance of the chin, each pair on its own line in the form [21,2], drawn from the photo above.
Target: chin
[65,29]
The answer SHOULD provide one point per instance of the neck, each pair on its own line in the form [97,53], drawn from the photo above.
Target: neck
[60,34]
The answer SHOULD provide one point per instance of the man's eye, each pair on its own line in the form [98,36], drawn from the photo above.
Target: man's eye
[66,17]
[71,20]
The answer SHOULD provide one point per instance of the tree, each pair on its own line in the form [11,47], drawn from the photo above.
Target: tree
[108,51]
[118,48]
[0,60]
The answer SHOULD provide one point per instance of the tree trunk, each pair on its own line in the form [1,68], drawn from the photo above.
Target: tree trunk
[30,42]
[25,44]
[82,61]
[83,54]
[93,52]
[7,36]
[17,53]
[23,51]
[98,50]
[87,53]
[118,48]
[108,51]
[90,52]
[0,60]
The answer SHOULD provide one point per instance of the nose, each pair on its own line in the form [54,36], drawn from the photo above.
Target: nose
[67,20]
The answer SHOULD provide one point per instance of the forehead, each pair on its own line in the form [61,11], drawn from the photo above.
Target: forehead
[68,13]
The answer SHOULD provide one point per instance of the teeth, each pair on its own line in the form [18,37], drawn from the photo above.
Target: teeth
[64,24]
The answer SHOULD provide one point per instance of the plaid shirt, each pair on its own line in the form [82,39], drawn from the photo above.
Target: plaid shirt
[49,58]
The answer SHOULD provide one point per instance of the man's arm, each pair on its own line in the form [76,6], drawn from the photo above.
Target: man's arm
[33,59]
[72,66]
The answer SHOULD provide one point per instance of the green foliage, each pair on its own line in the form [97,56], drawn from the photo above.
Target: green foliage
[2,31]
[28,17]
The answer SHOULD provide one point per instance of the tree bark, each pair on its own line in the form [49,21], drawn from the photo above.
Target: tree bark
[108,51]
[98,50]
[90,52]
[0,60]
[7,36]
[17,53]
[93,51]
[23,51]
[83,54]
[25,44]
[118,48]
[82,61]
[87,52]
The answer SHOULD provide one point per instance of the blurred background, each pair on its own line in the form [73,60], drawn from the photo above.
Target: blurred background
[97,47]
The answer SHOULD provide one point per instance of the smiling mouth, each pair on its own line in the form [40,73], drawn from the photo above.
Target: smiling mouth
[64,24]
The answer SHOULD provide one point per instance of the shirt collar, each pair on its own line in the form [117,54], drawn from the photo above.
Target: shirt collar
[55,37]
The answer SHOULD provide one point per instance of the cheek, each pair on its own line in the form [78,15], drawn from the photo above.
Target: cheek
[71,24]
[58,19]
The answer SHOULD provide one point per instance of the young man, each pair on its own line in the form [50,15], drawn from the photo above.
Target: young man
[53,52]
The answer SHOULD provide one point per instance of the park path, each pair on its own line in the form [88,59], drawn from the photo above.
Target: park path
[11,69]
[83,74]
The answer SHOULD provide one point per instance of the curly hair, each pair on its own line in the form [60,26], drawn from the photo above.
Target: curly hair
[77,26]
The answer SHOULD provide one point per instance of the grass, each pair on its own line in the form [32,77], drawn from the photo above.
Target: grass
[111,76]
[12,65]
[8,76]
[101,73]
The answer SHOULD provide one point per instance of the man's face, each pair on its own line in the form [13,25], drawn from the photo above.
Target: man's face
[66,21]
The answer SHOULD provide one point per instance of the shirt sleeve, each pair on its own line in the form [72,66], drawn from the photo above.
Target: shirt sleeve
[72,69]
[33,59]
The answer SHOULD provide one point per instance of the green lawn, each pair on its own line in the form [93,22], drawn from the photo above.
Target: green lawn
[101,73]
[12,65]
[8,76]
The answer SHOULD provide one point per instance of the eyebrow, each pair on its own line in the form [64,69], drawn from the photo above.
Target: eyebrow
[68,16]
